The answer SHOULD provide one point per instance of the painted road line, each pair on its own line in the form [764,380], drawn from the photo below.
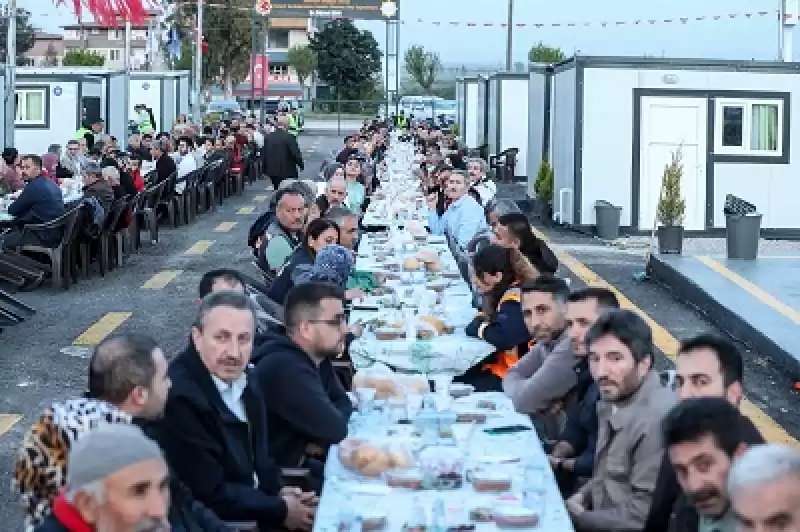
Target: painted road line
[224,227]
[260,197]
[246,210]
[200,247]
[753,289]
[101,328]
[7,421]
[665,342]
[161,279]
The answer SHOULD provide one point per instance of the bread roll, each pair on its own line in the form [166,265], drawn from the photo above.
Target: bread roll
[370,461]
[434,322]
[399,459]
[410,263]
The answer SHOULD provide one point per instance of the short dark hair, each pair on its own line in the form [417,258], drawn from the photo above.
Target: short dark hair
[222,274]
[119,364]
[627,327]
[288,191]
[302,301]
[728,355]
[35,159]
[606,299]
[233,300]
[693,419]
[548,284]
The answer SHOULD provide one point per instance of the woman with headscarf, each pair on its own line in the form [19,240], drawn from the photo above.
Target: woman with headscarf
[50,167]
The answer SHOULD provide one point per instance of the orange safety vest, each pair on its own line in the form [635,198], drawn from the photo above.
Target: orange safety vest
[503,359]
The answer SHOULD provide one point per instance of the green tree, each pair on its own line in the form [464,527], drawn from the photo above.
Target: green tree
[51,56]
[422,66]
[348,59]
[25,35]
[541,53]
[304,62]
[671,205]
[227,30]
[86,58]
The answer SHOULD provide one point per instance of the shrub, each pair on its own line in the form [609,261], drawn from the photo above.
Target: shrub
[543,186]
[671,205]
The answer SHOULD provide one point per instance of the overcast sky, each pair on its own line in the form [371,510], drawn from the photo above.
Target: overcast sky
[735,38]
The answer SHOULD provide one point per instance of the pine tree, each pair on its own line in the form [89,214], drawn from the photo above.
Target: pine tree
[671,205]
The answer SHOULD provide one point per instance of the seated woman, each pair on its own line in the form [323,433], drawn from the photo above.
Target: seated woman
[497,273]
[356,191]
[463,218]
[513,230]
[319,234]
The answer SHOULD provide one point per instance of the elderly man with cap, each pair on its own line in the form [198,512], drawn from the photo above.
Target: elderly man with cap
[118,481]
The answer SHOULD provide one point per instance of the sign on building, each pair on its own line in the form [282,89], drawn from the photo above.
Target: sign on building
[354,9]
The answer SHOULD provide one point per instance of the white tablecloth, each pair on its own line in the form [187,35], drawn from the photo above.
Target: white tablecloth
[344,490]
[68,196]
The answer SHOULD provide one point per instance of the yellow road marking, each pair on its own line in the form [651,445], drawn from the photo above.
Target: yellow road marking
[752,289]
[102,328]
[667,343]
[260,197]
[200,247]
[224,227]
[7,421]
[246,210]
[161,279]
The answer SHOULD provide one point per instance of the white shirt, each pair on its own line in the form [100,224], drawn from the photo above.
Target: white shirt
[486,189]
[186,164]
[258,138]
[231,393]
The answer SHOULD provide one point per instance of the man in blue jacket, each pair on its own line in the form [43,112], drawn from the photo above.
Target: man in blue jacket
[308,409]
[39,202]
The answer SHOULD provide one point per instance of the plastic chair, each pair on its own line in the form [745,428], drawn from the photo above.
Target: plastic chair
[108,234]
[60,253]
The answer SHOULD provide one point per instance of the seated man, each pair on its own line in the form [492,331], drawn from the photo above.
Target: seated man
[39,202]
[127,384]
[118,480]
[335,193]
[703,437]
[282,236]
[214,431]
[463,217]
[308,408]
[95,186]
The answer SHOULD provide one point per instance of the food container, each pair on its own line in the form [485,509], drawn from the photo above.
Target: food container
[451,274]
[458,390]
[481,514]
[390,333]
[485,404]
[438,286]
[410,479]
[491,481]
[471,417]
[373,523]
[514,517]
[442,468]
[373,460]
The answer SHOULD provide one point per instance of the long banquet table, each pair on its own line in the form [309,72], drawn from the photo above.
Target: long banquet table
[517,453]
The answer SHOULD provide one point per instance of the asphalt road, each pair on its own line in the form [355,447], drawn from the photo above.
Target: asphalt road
[33,369]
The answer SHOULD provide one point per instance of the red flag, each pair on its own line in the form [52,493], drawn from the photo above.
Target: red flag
[110,12]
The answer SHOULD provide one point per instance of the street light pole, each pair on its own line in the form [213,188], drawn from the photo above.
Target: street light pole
[198,64]
[11,73]
[510,36]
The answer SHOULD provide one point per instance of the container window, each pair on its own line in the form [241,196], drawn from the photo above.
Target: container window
[30,107]
[749,128]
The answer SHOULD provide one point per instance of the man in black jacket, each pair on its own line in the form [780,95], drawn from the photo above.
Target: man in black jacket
[214,431]
[307,405]
[282,154]
[706,366]
[165,165]
[703,437]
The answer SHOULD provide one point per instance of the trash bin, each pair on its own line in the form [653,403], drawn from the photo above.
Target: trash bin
[607,220]
[742,235]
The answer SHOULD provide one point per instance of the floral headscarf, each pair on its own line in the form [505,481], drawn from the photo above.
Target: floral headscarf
[333,264]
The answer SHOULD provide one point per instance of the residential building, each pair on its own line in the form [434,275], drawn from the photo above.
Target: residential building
[282,80]
[47,50]
[110,42]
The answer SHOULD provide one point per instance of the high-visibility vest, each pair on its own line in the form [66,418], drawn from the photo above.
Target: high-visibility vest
[293,128]
[81,133]
[145,126]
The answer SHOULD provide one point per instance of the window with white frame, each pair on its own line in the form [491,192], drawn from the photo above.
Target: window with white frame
[749,127]
[278,70]
[30,107]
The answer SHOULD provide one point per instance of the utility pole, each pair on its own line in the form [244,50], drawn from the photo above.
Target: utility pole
[510,36]
[198,64]
[11,73]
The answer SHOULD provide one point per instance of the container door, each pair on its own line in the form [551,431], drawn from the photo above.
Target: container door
[670,124]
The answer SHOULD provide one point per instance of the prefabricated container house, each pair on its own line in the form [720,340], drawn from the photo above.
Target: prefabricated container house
[508,115]
[482,117]
[471,114]
[52,104]
[616,122]
[538,141]
[166,93]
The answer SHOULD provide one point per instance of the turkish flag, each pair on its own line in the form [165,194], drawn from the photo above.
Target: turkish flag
[260,73]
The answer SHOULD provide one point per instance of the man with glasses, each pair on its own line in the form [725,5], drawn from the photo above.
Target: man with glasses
[39,202]
[308,409]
